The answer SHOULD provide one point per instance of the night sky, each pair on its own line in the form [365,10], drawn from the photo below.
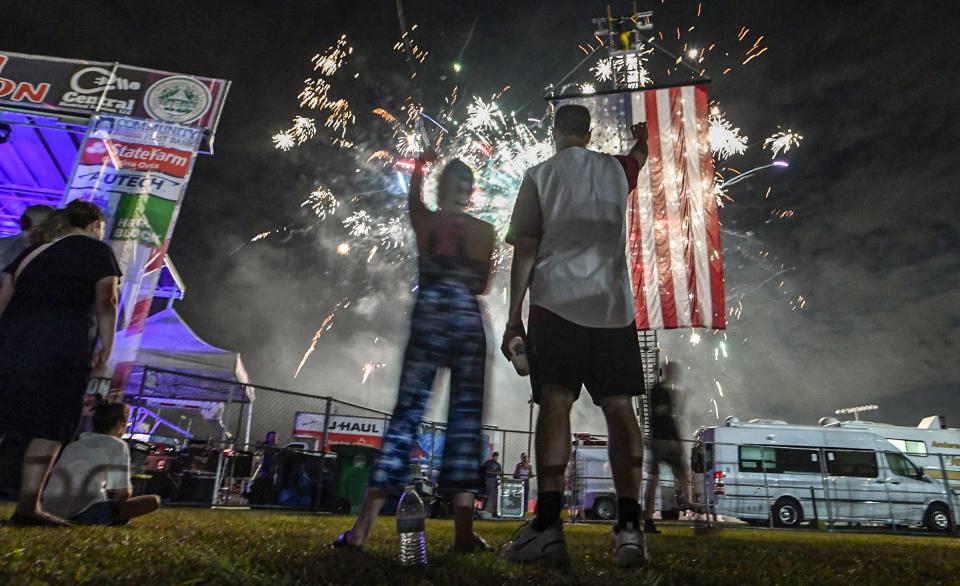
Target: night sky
[873,245]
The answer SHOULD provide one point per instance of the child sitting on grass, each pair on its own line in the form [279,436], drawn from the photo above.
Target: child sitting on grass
[90,483]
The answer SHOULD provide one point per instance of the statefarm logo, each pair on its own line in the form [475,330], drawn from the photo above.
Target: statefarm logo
[139,157]
[21,91]
[90,85]
[181,99]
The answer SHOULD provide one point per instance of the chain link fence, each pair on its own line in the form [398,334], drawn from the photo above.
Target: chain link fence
[218,442]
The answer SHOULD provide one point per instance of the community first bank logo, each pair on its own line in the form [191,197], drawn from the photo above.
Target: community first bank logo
[180,99]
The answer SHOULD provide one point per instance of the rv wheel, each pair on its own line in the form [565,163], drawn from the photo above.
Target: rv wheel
[605,508]
[937,519]
[787,513]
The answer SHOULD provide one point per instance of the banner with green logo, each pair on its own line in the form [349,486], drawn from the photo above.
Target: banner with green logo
[144,218]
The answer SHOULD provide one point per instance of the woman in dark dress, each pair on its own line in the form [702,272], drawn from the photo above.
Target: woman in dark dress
[56,300]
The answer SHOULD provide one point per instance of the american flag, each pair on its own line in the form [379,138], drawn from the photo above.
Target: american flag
[673,229]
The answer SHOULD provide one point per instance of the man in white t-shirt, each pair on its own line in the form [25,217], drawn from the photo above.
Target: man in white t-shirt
[569,235]
[90,483]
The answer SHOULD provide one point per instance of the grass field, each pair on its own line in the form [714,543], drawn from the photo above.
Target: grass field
[199,546]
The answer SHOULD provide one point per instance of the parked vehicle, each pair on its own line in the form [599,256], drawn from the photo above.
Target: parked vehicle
[590,490]
[931,444]
[771,472]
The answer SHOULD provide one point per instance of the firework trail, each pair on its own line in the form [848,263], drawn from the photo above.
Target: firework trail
[326,325]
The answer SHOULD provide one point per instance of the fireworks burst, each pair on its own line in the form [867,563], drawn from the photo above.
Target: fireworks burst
[409,143]
[481,115]
[725,140]
[284,140]
[393,234]
[782,142]
[358,223]
[603,70]
[322,201]
[330,62]
[587,88]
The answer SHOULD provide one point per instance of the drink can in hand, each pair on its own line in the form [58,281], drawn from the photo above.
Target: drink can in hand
[518,356]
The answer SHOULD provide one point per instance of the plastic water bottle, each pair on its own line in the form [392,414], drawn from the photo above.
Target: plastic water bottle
[518,356]
[411,516]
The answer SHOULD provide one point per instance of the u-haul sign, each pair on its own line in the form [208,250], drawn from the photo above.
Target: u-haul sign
[363,431]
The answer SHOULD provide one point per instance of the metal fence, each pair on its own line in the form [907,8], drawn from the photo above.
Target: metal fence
[215,432]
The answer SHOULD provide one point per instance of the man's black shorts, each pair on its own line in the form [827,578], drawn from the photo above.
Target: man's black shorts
[605,360]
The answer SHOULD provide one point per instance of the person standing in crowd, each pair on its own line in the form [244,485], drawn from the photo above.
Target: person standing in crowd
[569,236]
[455,254]
[523,472]
[90,483]
[12,246]
[57,300]
[491,474]
[665,447]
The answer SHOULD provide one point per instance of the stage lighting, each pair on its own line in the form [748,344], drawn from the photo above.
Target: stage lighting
[5,131]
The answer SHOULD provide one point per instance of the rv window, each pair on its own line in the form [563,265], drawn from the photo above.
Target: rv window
[798,460]
[910,447]
[758,459]
[858,463]
[901,466]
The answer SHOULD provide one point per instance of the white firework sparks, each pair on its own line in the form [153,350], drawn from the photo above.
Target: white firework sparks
[322,201]
[481,115]
[303,129]
[283,140]
[409,143]
[588,88]
[393,234]
[630,68]
[603,70]
[725,140]
[782,142]
[358,223]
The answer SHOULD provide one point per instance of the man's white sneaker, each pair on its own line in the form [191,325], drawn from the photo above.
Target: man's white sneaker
[629,547]
[529,545]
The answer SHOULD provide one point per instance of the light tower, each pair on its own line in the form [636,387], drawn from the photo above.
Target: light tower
[621,37]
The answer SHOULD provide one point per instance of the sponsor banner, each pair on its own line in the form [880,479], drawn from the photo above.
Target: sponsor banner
[137,157]
[87,87]
[365,431]
[105,179]
[144,219]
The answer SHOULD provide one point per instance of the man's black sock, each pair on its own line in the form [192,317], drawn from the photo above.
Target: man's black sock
[628,513]
[548,509]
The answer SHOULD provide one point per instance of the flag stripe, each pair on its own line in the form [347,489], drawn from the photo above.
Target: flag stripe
[719,317]
[699,267]
[635,248]
[649,296]
[672,188]
[661,228]
[682,262]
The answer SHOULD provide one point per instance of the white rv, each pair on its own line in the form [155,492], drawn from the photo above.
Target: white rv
[769,471]
[931,445]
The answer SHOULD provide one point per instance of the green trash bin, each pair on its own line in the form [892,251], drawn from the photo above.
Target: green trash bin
[353,471]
